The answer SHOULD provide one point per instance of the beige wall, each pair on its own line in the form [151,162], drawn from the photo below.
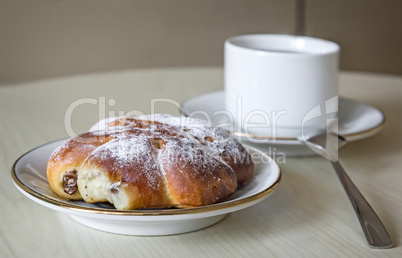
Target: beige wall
[50,38]
[369,31]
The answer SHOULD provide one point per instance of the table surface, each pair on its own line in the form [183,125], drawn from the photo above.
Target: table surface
[308,215]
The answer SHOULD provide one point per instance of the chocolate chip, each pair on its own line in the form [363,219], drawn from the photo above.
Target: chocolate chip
[70,182]
[114,189]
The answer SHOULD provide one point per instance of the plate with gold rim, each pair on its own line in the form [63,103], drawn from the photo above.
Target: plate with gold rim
[29,176]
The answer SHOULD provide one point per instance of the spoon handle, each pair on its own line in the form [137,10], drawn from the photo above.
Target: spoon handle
[376,234]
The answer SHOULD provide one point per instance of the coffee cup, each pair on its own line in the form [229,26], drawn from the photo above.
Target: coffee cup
[282,83]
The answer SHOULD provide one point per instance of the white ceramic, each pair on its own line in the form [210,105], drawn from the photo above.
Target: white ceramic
[29,176]
[278,79]
[356,121]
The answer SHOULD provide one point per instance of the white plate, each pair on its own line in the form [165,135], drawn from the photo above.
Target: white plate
[355,120]
[29,176]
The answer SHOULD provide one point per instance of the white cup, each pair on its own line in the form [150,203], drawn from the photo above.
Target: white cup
[278,80]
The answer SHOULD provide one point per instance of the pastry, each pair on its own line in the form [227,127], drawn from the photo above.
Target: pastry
[137,163]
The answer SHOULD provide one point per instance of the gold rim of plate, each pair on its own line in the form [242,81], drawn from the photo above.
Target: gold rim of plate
[144,212]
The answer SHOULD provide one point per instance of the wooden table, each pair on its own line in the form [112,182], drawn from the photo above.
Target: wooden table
[309,214]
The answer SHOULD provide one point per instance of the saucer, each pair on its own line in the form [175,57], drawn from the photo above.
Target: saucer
[29,176]
[356,121]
